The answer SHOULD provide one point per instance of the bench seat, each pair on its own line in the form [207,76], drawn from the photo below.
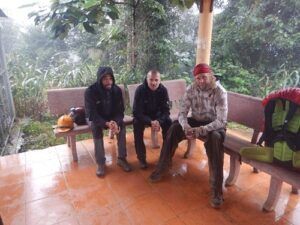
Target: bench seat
[83,129]
[248,111]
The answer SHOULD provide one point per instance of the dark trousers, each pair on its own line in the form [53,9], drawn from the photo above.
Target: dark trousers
[138,131]
[98,142]
[214,150]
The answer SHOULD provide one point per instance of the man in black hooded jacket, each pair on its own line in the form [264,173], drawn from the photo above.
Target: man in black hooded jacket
[105,110]
[150,108]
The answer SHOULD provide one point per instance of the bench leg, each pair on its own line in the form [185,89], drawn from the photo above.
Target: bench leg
[191,145]
[255,170]
[154,139]
[72,140]
[273,196]
[234,170]
[295,190]
[68,141]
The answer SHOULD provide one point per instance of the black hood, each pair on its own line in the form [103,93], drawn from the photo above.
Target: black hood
[104,70]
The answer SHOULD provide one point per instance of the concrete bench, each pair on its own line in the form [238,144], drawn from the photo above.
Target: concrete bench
[248,111]
[61,100]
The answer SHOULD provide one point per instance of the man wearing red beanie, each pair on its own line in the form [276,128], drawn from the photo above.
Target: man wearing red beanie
[207,100]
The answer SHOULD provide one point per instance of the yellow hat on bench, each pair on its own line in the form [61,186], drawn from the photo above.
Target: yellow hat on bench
[64,123]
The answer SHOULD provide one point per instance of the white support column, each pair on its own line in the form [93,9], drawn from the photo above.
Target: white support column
[204,32]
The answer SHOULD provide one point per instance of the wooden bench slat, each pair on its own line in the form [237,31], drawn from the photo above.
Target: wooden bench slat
[245,110]
[233,143]
[75,131]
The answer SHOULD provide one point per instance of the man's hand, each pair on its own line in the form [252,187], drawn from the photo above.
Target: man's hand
[113,126]
[200,131]
[189,132]
[155,126]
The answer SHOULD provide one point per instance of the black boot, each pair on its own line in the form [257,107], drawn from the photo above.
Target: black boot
[216,199]
[122,162]
[100,172]
[143,164]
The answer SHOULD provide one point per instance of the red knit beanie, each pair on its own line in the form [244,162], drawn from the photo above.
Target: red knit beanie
[201,68]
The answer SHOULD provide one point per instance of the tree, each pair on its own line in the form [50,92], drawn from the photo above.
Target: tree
[93,15]
[261,37]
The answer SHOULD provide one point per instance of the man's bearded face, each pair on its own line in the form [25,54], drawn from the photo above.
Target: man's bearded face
[107,81]
[204,81]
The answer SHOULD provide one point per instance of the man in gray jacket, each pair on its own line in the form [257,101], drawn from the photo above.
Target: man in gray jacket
[207,100]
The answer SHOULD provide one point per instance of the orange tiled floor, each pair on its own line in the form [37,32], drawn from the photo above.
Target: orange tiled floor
[47,187]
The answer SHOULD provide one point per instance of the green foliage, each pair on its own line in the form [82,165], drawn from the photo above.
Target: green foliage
[235,78]
[28,84]
[144,27]
[282,79]
[39,134]
[62,16]
[261,37]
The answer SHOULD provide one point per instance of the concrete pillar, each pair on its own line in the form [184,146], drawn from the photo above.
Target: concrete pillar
[204,32]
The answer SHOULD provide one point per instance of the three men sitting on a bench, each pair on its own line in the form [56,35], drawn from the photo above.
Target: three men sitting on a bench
[206,98]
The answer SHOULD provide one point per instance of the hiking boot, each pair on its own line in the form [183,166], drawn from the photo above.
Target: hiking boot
[100,172]
[122,162]
[216,201]
[156,175]
[143,164]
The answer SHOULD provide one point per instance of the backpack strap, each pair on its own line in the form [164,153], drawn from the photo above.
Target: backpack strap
[289,136]
[292,110]
[268,130]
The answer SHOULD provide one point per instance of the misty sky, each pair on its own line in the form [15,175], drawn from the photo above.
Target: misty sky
[19,15]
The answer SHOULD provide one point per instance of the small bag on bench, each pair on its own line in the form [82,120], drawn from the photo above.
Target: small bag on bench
[78,115]
[281,131]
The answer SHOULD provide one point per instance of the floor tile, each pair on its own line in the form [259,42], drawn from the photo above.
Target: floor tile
[12,175]
[93,197]
[108,215]
[148,209]
[13,160]
[39,156]
[48,187]
[41,169]
[13,214]
[42,187]
[127,185]
[177,199]
[84,161]
[293,216]
[68,221]
[174,221]
[84,177]
[48,211]
[205,216]
[248,210]
[12,194]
